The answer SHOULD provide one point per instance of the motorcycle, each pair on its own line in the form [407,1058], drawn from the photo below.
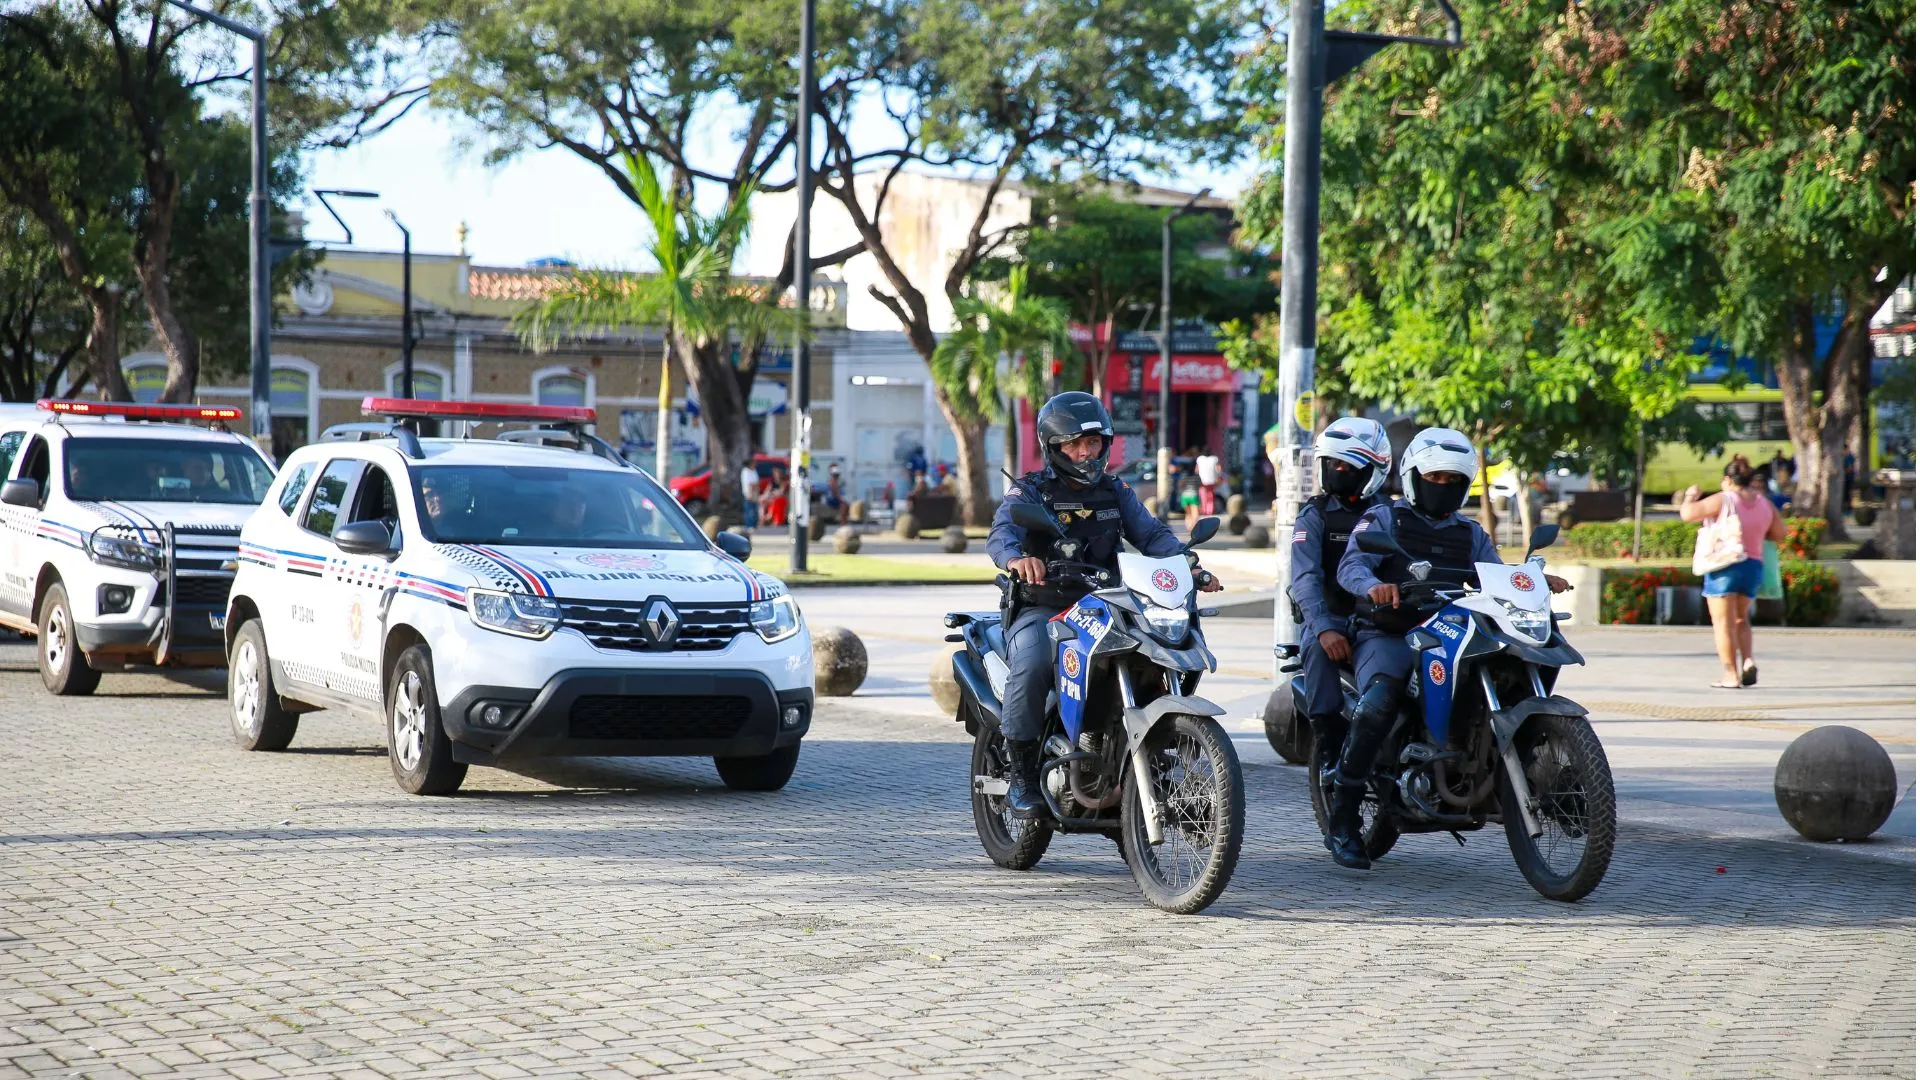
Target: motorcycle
[1128,752]
[1512,753]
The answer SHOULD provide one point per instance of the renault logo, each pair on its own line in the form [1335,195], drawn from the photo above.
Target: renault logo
[662,622]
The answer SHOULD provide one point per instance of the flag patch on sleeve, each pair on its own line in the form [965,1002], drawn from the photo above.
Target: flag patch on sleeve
[1299,536]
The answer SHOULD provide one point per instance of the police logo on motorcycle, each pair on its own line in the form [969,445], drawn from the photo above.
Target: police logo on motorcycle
[1070,663]
[1437,672]
[1165,581]
[1522,581]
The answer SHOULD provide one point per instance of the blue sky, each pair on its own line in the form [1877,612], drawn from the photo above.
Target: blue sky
[548,203]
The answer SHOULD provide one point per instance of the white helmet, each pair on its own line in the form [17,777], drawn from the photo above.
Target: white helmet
[1438,449]
[1359,442]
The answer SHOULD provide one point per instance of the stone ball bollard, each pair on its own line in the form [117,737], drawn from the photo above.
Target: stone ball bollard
[1238,524]
[954,540]
[857,511]
[712,526]
[940,682]
[1152,503]
[1256,536]
[908,527]
[1835,783]
[1236,505]
[740,530]
[817,528]
[846,540]
[1287,731]
[839,661]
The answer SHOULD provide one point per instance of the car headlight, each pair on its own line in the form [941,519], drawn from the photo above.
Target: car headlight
[1168,624]
[775,620]
[514,613]
[1534,624]
[120,551]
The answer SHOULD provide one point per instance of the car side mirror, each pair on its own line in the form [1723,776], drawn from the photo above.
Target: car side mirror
[364,538]
[1035,519]
[1203,530]
[1377,542]
[734,544]
[20,493]
[1543,537]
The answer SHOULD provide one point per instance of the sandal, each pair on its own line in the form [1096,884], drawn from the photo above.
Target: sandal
[1723,686]
[1750,675]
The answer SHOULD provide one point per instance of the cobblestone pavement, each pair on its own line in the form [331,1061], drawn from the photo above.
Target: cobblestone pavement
[170,905]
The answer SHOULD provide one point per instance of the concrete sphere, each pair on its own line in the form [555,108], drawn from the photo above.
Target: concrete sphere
[1237,524]
[946,692]
[740,530]
[1835,783]
[846,541]
[1287,732]
[1236,504]
[1152,503]
[1257,537]
[908,527]
[817,528]
[839,662]
[712,526]
[954,540]
[857,511]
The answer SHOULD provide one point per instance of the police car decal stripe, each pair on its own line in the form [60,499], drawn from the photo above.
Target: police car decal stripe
[108,511]
[754,591]
[533,581]
[65,534]
[128,516]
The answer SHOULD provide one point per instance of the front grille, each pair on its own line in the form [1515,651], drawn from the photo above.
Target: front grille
[676,716]
[619,624]
[211,591]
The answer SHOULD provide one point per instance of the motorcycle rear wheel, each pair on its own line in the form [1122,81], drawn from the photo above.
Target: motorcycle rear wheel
[1194,766]
[1376,832]
[1572,786]
[1009,841]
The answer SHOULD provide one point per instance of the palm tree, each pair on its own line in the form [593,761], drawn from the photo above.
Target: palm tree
[999,352]
[701,308]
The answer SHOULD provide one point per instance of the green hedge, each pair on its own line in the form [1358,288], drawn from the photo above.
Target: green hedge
[1627,592]
[1674,539]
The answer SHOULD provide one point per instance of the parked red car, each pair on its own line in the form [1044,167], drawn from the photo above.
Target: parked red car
[695,490]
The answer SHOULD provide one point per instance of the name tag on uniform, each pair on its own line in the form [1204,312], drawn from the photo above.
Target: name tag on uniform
[1068,506]
[1106,515]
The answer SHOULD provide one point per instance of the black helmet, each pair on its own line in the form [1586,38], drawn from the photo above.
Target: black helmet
[1066,417]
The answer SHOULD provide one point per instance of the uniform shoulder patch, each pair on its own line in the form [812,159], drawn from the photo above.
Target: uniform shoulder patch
[1299,536]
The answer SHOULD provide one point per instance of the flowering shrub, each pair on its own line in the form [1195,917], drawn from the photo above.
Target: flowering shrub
[1813,592]
[1626,595]
[1804,535]
[1614,539]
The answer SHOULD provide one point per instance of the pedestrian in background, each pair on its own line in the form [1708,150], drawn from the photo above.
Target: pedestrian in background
[1736,523]
[1772,589]
[1207,467]
[750,492]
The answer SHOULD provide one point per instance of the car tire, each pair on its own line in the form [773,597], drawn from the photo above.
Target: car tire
[260,720]
[63,667]
[417,743]
[766,772]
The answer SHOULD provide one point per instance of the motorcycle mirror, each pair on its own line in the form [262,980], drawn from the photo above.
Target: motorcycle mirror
[1035,519]
[1203,531]
[1543,536]
[1376,542]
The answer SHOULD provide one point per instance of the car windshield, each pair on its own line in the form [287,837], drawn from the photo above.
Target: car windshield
[522,506]
[164,470]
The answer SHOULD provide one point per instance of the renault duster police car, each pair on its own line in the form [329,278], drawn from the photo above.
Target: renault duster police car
[118,537]
[493,600]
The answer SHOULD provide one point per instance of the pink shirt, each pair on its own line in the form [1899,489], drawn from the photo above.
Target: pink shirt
[1756,517]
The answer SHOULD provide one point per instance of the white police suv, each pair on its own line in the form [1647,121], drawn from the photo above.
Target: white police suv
[493,600]
[119,532]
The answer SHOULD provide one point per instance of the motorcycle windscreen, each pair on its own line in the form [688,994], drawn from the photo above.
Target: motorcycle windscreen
[1439,668]
[1073,662]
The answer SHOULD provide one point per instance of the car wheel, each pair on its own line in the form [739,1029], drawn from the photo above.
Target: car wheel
[766,772]
[260,720]
[417,744]
[63,668]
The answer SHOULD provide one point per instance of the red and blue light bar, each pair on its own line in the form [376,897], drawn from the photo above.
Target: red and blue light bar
[476,410]
[134,411]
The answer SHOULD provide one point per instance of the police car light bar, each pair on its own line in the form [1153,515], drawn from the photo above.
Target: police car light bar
[140,412]
[476,410]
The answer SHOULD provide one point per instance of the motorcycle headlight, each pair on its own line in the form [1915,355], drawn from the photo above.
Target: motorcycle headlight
[775,620]
[514,613]
[1167,624]
[120,551]
[1534,624]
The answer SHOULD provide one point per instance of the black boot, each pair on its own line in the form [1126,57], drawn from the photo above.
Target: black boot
[1023,780]
[1343,825]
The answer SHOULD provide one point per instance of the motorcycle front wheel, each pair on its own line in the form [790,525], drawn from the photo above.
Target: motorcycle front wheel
[1572,788]
[1012,842]
[1196,777]
[1376,832]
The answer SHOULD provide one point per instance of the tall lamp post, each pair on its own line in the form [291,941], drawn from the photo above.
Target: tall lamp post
[406,306]
[800,488]
[1163,456]
[259,263]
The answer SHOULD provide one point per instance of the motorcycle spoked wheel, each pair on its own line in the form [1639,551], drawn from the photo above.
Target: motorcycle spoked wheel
[1572,786]
[1376,832]
[1009,841]
[1197,776]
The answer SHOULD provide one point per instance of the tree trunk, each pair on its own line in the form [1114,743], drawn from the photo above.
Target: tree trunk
[729,441]
[103,344]
[1821,433]
[153,252]
[1525,509]
[1848,366]
[1803,417]
[970,435]
[1487,519]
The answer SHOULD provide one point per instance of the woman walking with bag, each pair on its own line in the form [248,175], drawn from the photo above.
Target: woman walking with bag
[1729,555]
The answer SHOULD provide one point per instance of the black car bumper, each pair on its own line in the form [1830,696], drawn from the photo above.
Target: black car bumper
[588,712]
[197,638]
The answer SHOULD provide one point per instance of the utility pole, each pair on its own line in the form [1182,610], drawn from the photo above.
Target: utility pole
[1163,455]
[406,306]
[1315,57]
[799,487]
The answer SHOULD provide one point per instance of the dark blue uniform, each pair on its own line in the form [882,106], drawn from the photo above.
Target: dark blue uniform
[1320,537]
[1455,543]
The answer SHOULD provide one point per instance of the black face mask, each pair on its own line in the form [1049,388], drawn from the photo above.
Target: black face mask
[1342,483]
[1438,500]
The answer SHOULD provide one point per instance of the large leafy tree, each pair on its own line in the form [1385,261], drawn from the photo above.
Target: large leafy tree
[1000,352]
[43,320]
[704,311]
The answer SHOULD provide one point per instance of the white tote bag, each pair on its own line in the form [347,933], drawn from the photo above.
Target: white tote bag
[1719,544]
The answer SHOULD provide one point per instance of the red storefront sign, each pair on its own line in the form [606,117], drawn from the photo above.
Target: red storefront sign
[1192,373]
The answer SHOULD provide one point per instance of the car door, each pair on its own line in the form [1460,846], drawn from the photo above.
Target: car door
[315,591]
[16,537]
[363,580]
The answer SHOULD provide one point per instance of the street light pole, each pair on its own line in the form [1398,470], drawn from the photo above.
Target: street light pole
[259,266]
[406,306]
[1163,455]
[799,487]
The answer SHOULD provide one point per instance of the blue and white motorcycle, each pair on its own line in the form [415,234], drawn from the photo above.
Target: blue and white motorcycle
[1129,751]
[1481,737]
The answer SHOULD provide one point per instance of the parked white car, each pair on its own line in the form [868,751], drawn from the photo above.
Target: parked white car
[502,599]
[119,530]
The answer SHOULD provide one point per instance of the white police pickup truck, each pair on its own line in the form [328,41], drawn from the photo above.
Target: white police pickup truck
[119,532]
[493,600]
